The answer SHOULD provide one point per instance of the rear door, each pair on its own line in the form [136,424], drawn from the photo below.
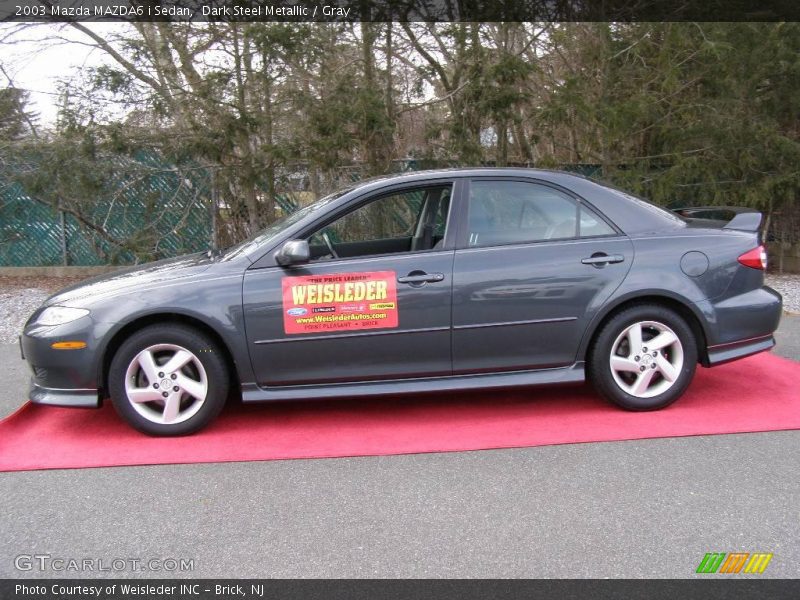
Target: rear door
[533,264]
[373,303]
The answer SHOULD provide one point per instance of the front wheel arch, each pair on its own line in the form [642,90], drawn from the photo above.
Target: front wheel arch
[135,325]
[168,380]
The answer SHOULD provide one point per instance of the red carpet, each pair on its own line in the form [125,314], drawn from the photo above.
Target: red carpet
[757,394]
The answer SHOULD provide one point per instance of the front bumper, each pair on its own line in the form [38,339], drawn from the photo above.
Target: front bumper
[62,377]
[87,398]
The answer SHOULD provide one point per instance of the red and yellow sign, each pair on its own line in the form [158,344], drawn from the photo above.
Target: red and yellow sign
[339,302]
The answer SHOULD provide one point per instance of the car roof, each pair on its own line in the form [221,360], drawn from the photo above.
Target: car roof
[411,176]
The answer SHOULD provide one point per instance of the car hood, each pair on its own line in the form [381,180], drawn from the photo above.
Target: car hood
[129,279]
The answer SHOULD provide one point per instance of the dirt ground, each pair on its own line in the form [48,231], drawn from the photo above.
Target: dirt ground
[48,284]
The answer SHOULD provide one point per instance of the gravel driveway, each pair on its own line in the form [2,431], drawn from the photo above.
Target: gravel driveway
[19,297]
[789,287]
[16,303]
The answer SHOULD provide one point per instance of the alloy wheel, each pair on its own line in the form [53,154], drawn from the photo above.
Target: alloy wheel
[646,359]
[166,384]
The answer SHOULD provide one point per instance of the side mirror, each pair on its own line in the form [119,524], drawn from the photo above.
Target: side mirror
[293,252]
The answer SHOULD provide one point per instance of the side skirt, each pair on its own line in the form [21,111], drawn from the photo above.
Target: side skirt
[488,381]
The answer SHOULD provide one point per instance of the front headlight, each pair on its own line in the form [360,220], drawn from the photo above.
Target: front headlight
[58,315]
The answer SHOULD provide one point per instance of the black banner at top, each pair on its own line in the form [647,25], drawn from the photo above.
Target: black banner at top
[399,10]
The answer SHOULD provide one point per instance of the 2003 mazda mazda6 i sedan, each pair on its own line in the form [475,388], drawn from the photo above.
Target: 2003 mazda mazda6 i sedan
[444,280]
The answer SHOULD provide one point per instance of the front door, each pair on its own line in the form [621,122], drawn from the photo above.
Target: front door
[532,266]
[373,303]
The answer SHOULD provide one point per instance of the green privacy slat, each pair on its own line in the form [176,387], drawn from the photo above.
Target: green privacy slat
[31,232]
[286,203]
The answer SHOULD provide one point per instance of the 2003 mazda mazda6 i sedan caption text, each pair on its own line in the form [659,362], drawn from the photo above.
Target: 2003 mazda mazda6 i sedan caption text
[444,280]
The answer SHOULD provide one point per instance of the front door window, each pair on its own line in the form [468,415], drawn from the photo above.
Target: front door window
[405,221]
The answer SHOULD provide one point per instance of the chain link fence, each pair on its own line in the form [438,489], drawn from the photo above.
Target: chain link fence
[149,208]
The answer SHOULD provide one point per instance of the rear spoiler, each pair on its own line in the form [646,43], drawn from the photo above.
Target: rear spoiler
[745,219]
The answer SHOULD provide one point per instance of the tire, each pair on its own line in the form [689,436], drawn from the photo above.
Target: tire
[173,360]
[626,375]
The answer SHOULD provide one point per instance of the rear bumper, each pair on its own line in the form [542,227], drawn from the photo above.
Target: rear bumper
[743,325]
[719,355]
[77,398]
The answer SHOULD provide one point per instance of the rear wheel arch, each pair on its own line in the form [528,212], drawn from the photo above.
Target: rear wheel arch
[123,333]
[679,305]
[644,357]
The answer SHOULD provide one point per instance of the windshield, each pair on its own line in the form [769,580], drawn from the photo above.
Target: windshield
[263,236]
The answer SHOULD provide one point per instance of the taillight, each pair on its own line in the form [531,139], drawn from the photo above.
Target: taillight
[755,258]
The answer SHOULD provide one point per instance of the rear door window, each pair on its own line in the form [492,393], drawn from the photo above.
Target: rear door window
[519,212]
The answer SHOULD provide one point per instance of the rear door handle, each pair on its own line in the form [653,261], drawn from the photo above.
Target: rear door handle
[420,277]
[602,259]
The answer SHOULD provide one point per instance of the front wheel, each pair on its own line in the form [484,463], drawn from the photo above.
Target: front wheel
[168,380]
[644,358]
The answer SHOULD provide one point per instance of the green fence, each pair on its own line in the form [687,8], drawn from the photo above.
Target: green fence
[149,210]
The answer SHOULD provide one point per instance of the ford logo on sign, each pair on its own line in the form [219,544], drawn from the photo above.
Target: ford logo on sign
[297,312]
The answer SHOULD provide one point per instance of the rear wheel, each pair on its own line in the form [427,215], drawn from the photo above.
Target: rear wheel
[644,358]
[168,380]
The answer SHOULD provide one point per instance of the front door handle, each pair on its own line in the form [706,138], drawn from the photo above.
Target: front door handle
[420,278]
[600,258]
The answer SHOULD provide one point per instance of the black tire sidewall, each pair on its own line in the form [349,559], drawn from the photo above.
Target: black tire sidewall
[600,370]
[207,352]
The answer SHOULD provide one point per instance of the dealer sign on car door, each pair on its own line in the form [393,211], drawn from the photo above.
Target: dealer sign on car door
[374,301]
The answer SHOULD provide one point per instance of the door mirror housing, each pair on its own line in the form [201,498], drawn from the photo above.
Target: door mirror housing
[293,252]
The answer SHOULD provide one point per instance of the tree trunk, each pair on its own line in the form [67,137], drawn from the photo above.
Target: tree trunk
[521,141]
[502,144]
[269,141]
[369,141]
[389,74]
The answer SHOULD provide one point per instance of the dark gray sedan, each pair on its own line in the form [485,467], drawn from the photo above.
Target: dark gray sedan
[435,281]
